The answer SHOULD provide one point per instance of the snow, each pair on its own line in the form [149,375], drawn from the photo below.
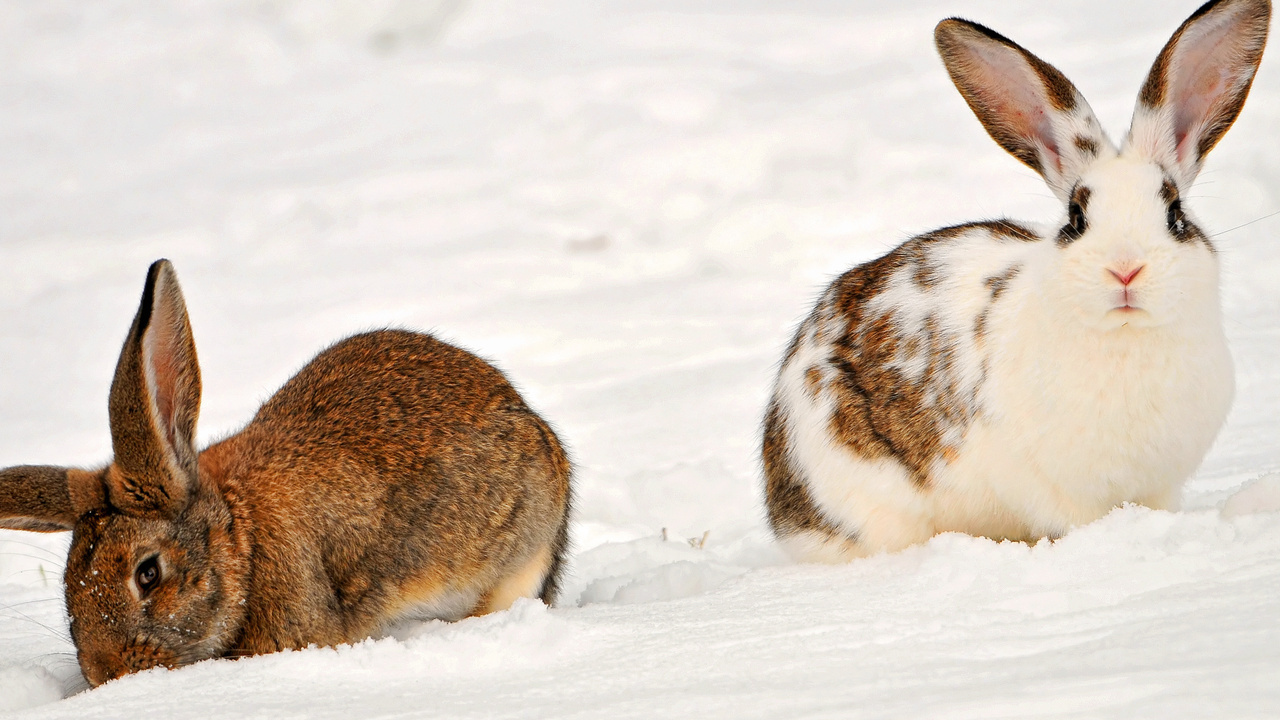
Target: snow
[626,205]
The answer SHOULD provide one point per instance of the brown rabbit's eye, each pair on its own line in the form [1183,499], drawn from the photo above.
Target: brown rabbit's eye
[147,576]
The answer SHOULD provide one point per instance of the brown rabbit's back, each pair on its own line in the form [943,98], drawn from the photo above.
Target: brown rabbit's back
[394,476]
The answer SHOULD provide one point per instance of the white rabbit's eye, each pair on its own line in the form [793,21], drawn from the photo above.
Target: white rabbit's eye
[1176,220]
[147,576]
[1076,224]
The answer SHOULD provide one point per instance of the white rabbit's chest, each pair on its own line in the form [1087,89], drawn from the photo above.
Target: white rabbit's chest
[1074,425]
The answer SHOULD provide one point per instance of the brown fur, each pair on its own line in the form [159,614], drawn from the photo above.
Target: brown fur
[36,499]
[879,412]
[997,285]
[391,473]
[1088,146]
[790,507]
[471,463]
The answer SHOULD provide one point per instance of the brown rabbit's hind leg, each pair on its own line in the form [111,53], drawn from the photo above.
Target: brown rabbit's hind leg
[550,590]
[526,581]
[433,598]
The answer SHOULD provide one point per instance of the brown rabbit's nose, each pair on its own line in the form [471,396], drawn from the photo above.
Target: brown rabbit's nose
[1126,276]
[101,668]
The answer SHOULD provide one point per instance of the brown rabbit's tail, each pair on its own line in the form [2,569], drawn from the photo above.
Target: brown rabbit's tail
[563,470]
[551,584]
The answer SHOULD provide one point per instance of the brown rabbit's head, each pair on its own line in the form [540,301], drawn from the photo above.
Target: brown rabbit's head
[158,567]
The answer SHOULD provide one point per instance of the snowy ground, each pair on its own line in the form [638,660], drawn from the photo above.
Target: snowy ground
[627,205]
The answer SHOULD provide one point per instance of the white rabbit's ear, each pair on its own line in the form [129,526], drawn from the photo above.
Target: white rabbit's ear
[1198,84]
[154,403]
[1027,106]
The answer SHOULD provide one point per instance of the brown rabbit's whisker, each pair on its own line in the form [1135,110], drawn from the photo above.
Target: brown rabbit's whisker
[33,602]
[50,574]
[60,656]
[47,556]
[53,556]
[75,684]
[54,573]
[19,615]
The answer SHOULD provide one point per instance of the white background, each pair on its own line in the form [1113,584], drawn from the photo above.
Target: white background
[626,205]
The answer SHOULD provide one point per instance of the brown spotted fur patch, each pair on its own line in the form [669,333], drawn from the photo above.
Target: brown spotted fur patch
[996,285]
[1088,146]
[879,412]
[790,508]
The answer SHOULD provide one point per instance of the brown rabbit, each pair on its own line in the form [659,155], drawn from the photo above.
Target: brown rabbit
[394,477]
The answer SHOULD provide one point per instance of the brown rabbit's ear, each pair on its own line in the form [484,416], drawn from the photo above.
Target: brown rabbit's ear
[35,497]
[155,399]
[43,498]
[1199,83]
[1027,106]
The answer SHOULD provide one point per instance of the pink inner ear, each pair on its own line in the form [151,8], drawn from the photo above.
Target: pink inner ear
[1208,68]
[161,347]
[1013,91]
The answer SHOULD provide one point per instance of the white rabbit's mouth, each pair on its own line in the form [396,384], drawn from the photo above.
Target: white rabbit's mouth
[1129,315]
[1126,302]
[1128,312]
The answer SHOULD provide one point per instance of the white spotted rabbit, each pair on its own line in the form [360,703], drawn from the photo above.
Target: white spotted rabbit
[1012,382]
[394,477]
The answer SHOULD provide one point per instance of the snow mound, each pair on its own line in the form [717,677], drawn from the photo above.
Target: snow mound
[527,633]
[25,687]
[667,582]
[1260,496]
[654,569]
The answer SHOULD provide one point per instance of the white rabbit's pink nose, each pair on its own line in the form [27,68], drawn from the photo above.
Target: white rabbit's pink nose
[1126,276]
